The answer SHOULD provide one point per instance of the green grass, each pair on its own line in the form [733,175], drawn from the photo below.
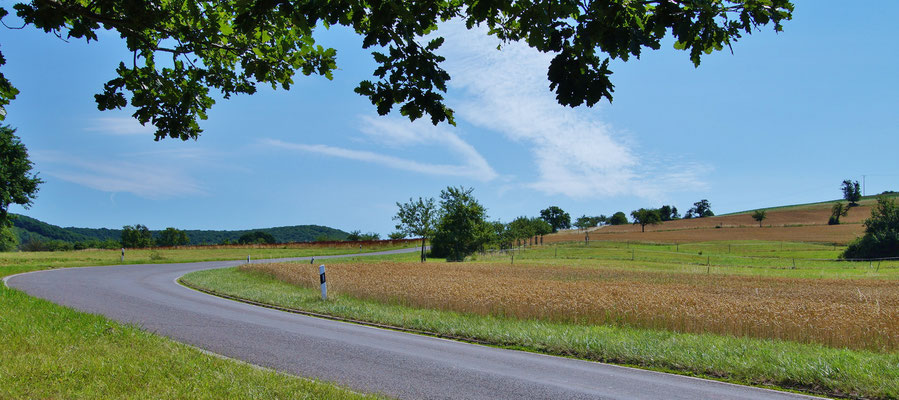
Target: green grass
[746,258]
[784,364]
[17,262]
[50,351]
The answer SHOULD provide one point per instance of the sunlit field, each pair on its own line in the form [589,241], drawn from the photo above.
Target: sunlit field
[763,290]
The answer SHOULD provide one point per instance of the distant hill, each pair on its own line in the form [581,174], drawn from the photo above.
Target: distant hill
[27,228]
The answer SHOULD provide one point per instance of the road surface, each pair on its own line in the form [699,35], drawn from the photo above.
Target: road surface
[365,359]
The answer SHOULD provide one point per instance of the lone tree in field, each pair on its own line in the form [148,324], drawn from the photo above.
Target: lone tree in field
[838,210]
[881,237]
[18,185]
[462,228]
[417,218]
[184,54]
[556,218]
[645,217]
[759,215]
[851,192]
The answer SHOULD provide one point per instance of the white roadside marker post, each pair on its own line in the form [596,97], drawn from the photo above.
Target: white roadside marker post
[248,258]
[123,254]
[321,275]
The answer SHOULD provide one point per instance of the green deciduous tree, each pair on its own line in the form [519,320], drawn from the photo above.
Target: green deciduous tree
[17,184]
[354,236]
[370,236]
[137,236]
[668,213]
[556,218]
[172,237]
[417,218]
[851,192]
[759,215]
[645,217]
[462,228]
[618,218]
[397,236]
[700,209]
[8,240]
[182,51]
[838,210]
[881,237]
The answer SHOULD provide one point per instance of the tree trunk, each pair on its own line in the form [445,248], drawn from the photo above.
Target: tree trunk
[423,256]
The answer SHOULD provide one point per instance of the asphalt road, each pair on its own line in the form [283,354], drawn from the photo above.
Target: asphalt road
[363,358]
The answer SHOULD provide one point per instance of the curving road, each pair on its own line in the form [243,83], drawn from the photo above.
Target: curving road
[363,358]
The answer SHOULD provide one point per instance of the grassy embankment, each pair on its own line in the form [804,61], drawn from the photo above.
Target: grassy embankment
[750,318]
[50,351]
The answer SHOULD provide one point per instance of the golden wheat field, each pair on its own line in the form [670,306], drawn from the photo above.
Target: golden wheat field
[860,314]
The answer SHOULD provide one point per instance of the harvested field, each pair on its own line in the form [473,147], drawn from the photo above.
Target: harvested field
[859,314]
[806,223]
[840,234]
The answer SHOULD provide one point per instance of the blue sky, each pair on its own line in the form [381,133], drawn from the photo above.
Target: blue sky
[783,120]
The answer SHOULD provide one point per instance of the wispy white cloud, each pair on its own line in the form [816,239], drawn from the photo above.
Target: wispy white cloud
[119,126]
[576,154]
[150,180]
[475,167]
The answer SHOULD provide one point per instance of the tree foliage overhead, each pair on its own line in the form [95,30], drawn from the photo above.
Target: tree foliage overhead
[18,185]
[182,51]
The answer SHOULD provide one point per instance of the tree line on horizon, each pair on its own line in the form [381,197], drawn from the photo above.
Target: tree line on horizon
[458,225]
[29,234]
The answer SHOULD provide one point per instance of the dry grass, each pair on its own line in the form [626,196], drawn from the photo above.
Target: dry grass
[860,314]
[805,223]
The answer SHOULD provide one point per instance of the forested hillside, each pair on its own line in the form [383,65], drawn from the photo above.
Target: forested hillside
[30,229]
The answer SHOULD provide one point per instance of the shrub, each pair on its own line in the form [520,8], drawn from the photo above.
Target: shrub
[881,233]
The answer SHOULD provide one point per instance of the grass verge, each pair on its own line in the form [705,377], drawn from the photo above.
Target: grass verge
[50,351]
[21,261]
[807,367]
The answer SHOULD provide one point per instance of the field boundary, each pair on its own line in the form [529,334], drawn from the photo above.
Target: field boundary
[210,292]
